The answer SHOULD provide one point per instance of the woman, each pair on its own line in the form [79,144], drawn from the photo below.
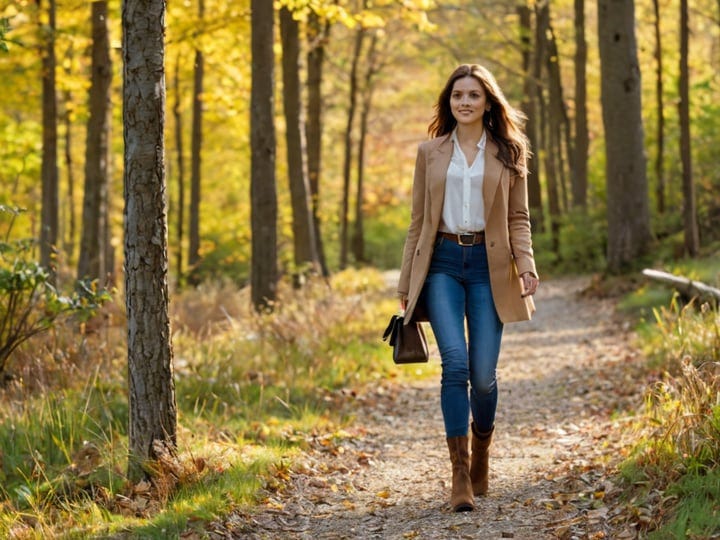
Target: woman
[468,258]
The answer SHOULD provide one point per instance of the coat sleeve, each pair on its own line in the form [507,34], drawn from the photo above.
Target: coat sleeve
[519,225]
[416,221]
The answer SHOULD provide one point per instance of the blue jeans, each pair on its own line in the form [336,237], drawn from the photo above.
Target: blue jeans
[457,288]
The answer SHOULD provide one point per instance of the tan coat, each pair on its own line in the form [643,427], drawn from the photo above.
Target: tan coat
[507,228]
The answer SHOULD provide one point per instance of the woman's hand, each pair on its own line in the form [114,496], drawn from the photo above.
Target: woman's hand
[530,284]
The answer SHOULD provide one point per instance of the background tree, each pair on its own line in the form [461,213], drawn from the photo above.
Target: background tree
[580,158]
[692,240]
[263,196]
[360,34]
[195,153]
[660,128]
[547,98]
[93,246]
[531,88]
[304,245]
[153,417]
[49,221]
[317,31]
[367,89]
[180,161]
[627,194]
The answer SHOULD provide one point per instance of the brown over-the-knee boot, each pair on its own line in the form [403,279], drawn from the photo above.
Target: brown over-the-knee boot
[461,498]
[479,466]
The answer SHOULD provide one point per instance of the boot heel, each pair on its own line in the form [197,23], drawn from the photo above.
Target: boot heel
[479,465]
[461,499]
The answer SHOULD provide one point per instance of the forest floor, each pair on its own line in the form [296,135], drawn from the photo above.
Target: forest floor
[569,381]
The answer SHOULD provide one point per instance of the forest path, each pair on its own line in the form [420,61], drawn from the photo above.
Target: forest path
[561,378]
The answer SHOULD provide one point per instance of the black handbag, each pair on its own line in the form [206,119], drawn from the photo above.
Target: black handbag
[407,340]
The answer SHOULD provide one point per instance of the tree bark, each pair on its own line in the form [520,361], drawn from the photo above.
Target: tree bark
[692,238]
[179,146]
[347,159]
[660,143]
[688,288]
[69,206]
[91,262]
[153,416]
[196,158]
[582,140]
[317,35]
[559,124]
[305,251]
[263,195]
[49,219]
[529,106]
[547,132]
[628,214]
[368,88]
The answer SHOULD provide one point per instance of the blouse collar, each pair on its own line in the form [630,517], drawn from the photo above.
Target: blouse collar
[480,143]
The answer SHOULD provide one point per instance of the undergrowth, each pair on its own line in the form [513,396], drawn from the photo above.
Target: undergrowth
[252,392]
[676,463]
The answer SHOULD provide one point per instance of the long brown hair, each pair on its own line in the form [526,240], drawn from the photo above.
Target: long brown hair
[502,121]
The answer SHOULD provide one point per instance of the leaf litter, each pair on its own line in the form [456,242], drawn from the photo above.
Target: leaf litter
[570,381]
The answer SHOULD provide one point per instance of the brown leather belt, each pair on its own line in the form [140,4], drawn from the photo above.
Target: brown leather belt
[465,239]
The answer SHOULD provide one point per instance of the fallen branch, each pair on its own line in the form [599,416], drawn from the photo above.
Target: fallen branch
[687,288]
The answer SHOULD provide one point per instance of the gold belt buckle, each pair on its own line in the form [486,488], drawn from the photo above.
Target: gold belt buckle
[462,242]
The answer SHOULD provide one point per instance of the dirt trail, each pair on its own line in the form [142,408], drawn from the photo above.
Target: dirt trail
[561,376]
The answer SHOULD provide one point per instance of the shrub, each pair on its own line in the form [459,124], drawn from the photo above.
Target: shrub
[31,303]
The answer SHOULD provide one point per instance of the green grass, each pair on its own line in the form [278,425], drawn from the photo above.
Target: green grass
[250,390]
[698,513]
[678,452]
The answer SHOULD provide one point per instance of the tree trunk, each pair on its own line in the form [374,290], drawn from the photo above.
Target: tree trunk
[69,206]
[347,160]
[546,131]
[373,66]
[263,196]
[305,250]
[559,122]
[692,239]
[660,156]
[582,141]
[91,262]
[153,416]
[530,107]
[628,212]
[317,35]
[180,218]
[49,169]
[195,159]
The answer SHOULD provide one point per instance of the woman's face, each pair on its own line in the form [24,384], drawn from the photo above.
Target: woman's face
[468,101]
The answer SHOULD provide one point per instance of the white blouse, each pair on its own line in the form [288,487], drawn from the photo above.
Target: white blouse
[463,208]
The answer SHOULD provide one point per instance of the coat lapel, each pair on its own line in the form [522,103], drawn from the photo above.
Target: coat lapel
[438,163]
[491,176]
